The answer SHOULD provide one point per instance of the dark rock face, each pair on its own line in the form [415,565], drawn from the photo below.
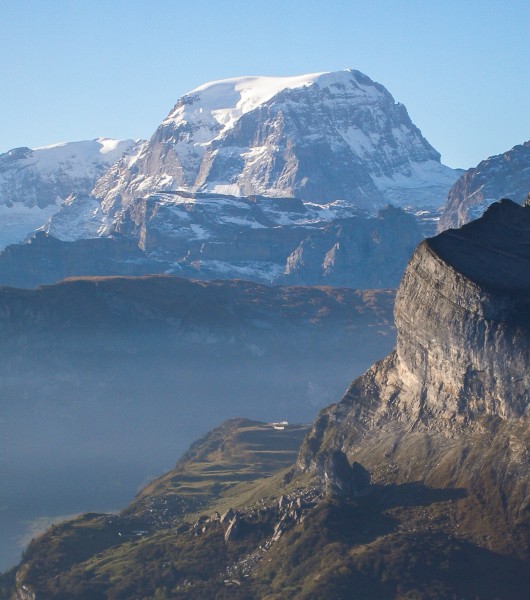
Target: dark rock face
[503,176]
[364,252]
[273,240]
[338,477]
[450,406]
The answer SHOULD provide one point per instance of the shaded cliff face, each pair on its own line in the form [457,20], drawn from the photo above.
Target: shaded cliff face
[506,175]
[369,253]
[450,405]
[463,327]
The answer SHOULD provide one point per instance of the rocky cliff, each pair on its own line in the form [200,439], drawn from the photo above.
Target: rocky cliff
[416,484]
[450,406]
[506,175]
[368,253]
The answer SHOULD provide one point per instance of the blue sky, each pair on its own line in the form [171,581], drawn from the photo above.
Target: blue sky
[72,70]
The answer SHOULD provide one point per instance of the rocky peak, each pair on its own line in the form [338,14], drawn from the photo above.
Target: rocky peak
[34,183]
[506,174]
[12,155]
[38,177]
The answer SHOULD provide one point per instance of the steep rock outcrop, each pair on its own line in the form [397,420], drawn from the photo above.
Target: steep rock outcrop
[462,314]
[449,407]
[364,252]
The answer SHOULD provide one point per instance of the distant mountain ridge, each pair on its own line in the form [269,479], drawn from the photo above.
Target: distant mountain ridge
[242,173]
[505,175]
[209,236]
[321,138]
[34,183]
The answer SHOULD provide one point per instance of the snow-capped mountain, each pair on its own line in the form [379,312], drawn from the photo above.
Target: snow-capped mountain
[243,170]
[319,137]
[34,183]
[504,175]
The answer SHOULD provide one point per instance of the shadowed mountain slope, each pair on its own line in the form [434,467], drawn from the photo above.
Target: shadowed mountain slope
[208,236]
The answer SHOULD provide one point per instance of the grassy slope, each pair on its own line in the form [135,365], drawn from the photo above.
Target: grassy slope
[230,467]
[391,542]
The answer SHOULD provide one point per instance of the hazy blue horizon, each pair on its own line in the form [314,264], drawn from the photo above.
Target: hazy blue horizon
[76,70]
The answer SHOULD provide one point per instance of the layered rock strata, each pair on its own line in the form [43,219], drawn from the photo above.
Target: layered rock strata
[206,236]
[449,407]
